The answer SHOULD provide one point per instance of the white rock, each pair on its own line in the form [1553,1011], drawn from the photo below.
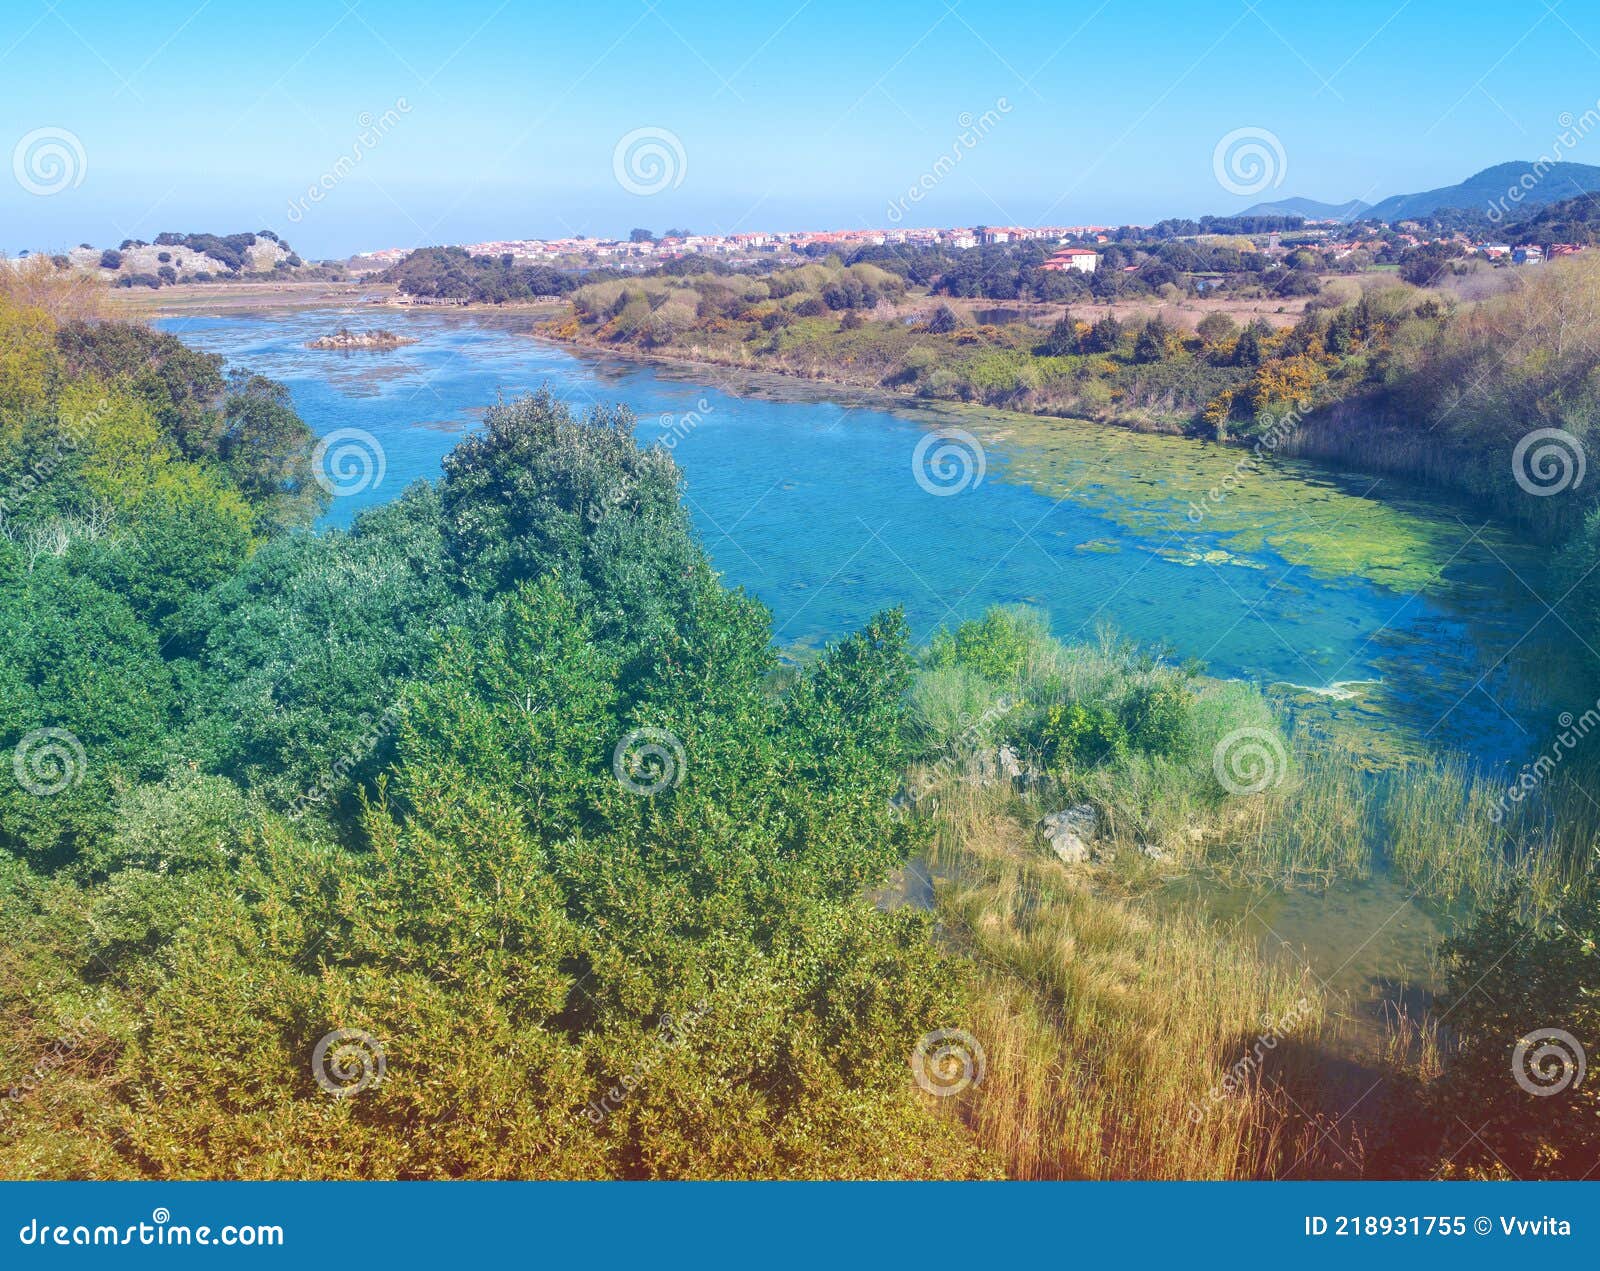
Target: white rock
[1066,832]
[1008,762]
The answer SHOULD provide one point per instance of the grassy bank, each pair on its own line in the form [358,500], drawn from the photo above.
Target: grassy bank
[1129,1040]
[1399,379]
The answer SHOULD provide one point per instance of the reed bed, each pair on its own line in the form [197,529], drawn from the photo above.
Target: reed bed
[1126,1043]
[1119,1044]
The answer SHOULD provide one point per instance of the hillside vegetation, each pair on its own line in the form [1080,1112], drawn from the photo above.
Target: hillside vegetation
[191,258]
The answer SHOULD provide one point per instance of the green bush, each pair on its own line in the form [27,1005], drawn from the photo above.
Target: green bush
[1081,736]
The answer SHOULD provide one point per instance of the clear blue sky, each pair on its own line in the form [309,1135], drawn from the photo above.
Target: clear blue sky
[218,116]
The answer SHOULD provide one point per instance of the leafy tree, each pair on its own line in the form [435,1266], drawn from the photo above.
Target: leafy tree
[542,490]
[1217,330]
[1152,344]
[182,385]
[1247,349]
[1062,341]
[86,703]
[307,650]
[27,362]
[268,450]
[1525,1006]
[1104,336]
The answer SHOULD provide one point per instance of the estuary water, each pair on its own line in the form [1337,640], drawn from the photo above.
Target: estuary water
[1359,601]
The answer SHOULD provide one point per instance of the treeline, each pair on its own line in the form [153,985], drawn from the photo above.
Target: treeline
[1126,270]
[1569,221]
[453,273]
[1183,227]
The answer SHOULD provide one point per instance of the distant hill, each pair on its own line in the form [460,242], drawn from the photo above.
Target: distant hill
[180,257]
[1569,221]
[1311,209]
[1486,189]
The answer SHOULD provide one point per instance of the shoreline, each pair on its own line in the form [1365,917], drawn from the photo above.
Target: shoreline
[1304,451]
[1323,441]
[877,394]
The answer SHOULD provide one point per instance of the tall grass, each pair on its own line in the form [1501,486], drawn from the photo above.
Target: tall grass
[1312,828]
[1441,826]
[1442,835]
[1119,1044]
[1126,1042]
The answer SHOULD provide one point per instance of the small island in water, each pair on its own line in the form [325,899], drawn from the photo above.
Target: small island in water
[345,338]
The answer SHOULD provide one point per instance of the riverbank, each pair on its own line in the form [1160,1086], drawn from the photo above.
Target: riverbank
[806,493]
[867,388]
[143,303]
[1394,379]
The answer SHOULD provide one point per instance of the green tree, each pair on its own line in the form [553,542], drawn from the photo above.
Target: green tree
[1062,341]
[1524,1004]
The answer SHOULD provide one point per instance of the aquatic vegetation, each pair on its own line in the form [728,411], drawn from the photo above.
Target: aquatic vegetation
[1211,774]
[1332,526]
[1119,1044]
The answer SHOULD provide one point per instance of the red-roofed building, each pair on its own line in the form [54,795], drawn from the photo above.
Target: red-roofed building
[1079,258]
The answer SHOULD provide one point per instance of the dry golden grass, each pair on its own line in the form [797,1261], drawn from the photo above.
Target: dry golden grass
[1111,1033]
[65,294]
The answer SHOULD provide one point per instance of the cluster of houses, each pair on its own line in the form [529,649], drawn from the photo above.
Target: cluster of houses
[1517,254]
[749,245]
[1336,243]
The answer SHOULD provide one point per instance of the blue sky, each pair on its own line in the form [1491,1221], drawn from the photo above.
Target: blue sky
[173,114]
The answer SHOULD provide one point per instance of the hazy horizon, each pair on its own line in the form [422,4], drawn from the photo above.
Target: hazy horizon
[504,122]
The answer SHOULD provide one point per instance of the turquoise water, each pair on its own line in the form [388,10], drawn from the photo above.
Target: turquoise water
[812,505]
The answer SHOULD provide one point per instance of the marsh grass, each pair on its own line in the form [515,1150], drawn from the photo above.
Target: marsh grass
[1130,1041]
[1440,825]
[1120,1043]
[1311,829]
[1442,836]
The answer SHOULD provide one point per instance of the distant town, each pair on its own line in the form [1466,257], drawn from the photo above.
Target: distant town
[1337,241]
[750,245]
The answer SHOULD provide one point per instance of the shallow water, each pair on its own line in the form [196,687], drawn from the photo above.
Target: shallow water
[1398,614]
[1369,945]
